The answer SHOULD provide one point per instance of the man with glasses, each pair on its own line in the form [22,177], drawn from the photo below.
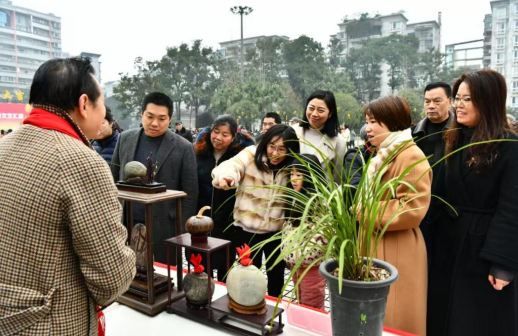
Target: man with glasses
[428,134]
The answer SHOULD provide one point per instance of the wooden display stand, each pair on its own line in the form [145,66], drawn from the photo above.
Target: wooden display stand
[152,297]
[218,314]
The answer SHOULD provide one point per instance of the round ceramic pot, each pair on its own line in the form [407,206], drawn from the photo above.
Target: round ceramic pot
[246,285]
[195,286]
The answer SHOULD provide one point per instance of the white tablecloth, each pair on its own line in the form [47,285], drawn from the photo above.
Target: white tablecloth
[122,320]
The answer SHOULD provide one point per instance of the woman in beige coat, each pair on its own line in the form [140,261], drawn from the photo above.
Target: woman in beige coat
[388,121]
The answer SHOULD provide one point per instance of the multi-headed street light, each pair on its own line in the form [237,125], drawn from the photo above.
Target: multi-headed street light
[241,10]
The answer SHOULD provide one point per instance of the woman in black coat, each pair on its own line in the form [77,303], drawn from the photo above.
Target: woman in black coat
[216,144]
[472,288]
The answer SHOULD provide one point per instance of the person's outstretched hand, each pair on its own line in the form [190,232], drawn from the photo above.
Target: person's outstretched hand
[224,183]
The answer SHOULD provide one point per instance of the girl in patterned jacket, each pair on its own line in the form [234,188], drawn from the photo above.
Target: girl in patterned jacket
[311,287]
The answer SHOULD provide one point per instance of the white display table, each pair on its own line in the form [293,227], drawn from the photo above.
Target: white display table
[122,320]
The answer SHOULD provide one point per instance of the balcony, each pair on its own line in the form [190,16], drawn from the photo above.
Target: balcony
[13,87]
[23,28]
[25,43]
[28,76]
[7,52]
[7,41]
[8,62]
[29,66]
[33,56]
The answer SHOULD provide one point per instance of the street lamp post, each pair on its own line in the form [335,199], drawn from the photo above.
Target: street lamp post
[241,10]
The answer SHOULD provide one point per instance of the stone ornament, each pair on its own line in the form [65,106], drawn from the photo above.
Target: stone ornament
[246,285]
[195,284]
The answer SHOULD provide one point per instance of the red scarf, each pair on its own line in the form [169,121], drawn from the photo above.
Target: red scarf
[47,120]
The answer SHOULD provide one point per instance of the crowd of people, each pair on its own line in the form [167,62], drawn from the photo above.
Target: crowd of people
[64,245]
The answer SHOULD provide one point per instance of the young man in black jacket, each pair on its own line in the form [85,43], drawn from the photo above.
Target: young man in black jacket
[182,131]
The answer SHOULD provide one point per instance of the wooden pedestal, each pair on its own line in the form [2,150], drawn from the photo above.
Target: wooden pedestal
[154,301]
[139,287]
[143,306]
[218,315]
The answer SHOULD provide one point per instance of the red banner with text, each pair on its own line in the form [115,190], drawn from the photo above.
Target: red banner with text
[12,115]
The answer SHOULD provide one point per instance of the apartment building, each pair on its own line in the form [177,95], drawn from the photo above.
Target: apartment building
[469,54]
[231,49]
[428,33]
[503,47]
[27,39]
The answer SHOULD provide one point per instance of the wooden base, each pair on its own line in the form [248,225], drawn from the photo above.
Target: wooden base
[139,287]
[218,315]
[145,189]
[258,309]
[143,306]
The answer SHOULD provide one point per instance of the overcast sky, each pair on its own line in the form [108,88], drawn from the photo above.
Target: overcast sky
[122,30]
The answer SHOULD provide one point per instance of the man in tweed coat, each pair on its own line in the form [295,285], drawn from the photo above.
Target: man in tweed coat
[176,168]
[62,245]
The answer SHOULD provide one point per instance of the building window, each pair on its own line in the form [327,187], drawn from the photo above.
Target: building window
[501,12]
[514,101]
[428,44]
[500,28]
[395,25]
[515,71]
[40,20]
[516,40]
[516,9]
[500,58]
[500,69]
[515,55]
[474,53]
[7,79]
[4,19]
[515,86]
[500,43]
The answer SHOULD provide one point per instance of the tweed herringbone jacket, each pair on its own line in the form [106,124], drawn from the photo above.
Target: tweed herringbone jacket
[62,245]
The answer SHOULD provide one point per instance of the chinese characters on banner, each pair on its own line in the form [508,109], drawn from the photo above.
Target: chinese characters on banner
[12,115]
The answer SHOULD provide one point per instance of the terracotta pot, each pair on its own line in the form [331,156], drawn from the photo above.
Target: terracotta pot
[199,226]
[246,285]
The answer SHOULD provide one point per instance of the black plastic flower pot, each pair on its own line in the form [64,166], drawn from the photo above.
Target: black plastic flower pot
[360,309]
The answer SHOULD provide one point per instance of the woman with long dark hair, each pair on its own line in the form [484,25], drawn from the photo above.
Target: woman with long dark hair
[319,132]
[257,216]
[472,289]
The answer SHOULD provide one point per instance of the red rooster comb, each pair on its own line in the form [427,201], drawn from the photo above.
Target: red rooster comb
[244,255]
[196,261]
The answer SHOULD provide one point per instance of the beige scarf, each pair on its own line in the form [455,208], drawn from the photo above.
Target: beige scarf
[385,149]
